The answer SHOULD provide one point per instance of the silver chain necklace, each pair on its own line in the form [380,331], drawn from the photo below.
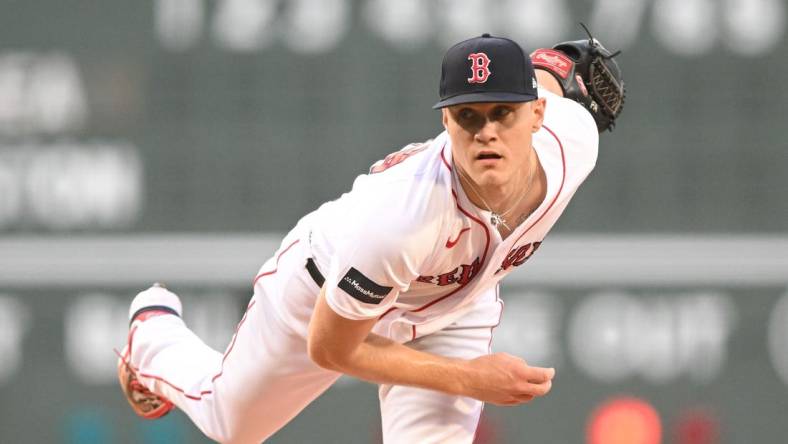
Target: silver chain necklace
[497,219]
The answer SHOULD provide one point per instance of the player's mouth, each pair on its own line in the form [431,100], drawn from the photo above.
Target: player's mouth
[488,156]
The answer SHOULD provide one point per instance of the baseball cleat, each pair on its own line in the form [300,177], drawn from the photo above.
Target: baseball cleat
[155,301]
[144,402]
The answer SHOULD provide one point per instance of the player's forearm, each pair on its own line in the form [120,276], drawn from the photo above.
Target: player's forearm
[383,361]
[348,346]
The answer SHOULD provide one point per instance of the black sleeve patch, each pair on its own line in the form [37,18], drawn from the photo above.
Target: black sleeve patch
[363,288]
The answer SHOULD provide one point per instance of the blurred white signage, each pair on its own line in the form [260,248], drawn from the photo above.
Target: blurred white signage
[95,324]
[70,185]
[610,337]
[613,336]
[40,94]
[66,183]
[306,26]
[531,327]
[683,27]
[778,338]
[15,322]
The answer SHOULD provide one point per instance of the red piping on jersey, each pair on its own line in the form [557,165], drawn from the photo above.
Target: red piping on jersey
[450,243]
[500,316]
[444,158]
[387,312]
[560,188]
[198,396]
[232,343]
[484,256]
[277,264]
[486,231]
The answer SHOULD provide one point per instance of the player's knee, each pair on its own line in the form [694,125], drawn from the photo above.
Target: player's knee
[223,432]
[242,428]
[227,435]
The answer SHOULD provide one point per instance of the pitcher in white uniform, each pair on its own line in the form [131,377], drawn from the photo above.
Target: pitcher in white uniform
[396,281]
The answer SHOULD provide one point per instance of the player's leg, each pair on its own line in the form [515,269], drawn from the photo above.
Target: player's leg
[148,304]
[158,339]
[261,382]
[418,415]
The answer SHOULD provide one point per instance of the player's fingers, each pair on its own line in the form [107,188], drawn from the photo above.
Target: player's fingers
[546,387]
[529,389]
[515,400]
[538,375]
[522,399]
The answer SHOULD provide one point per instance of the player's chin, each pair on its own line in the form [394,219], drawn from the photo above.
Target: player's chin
[489,162]
[491,177]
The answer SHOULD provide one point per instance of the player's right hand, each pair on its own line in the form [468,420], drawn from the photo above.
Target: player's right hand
[503,379]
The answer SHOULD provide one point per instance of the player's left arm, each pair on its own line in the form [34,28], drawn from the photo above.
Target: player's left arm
[347,346]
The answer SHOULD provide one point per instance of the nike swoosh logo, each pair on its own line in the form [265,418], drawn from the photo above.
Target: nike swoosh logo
[450,243]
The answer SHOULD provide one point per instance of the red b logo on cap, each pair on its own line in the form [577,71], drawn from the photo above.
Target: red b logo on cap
[479,67]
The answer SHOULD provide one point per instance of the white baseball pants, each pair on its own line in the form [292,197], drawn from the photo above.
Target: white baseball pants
[265,376]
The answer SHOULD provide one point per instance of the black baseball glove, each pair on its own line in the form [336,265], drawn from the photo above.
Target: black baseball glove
[588,75]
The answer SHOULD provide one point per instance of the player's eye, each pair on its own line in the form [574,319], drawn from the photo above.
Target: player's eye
[466,114]
[499,112]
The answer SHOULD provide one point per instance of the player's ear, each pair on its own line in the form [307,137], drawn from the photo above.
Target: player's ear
[537,108]
[445,117]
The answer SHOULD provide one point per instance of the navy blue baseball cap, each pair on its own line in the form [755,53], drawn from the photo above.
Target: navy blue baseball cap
[486,69]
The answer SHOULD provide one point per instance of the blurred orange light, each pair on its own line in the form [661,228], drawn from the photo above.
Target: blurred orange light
[624,420]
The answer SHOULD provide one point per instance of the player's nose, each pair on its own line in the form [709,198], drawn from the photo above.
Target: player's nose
[487,132]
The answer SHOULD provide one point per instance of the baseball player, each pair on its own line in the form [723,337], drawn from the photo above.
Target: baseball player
[396,282]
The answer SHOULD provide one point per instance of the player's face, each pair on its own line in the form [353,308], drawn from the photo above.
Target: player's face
[492,141]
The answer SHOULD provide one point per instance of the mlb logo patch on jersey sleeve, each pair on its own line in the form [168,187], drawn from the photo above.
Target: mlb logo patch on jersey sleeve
[363,288]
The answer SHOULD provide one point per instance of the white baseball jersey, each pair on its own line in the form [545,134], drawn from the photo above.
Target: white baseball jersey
[406,244]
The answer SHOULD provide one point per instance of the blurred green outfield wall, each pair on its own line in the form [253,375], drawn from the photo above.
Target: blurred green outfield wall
[696,354]
[174,116]
[242,115]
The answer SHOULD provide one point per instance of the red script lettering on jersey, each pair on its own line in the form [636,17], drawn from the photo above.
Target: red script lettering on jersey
[480,67]
[518,256]
[460,275]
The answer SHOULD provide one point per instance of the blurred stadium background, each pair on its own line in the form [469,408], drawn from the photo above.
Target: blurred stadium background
[176,140]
